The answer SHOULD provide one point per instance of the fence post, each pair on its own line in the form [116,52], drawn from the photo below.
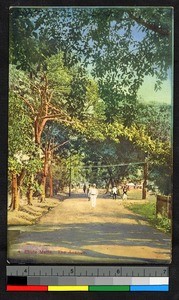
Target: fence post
[164,205]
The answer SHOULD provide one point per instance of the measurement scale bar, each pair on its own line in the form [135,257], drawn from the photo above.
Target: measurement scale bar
[54,280]
[87,278]
[94,288]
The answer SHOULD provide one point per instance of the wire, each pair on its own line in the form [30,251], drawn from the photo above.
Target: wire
[107,166]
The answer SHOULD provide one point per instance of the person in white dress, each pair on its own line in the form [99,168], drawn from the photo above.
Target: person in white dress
[114,192]
[93,193]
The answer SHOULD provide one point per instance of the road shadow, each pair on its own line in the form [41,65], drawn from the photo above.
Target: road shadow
[98,239]
[85,236]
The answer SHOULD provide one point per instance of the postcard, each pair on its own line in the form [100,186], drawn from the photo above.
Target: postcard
[90,135]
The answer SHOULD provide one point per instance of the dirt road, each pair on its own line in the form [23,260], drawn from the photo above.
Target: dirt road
[74,232]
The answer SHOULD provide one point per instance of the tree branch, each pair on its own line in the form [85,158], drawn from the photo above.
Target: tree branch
[60,145]
[153,27]
[50,97]
[28,103]
[52,117]
[54,108]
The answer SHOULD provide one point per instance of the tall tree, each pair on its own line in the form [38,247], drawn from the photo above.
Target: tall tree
[23,154]
[117,46]
[56,93]
[125,42]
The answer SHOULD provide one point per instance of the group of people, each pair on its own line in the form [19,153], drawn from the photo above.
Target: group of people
[115,192]
[92,193]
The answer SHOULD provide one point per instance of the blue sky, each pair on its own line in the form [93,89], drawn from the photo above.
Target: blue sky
[148,94]
[147,91]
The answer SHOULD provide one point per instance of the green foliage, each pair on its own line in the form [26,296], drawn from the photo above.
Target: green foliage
[59,78]
[23,153]
[162,178]
[19,144]
[14,166]
[157,118]
[158,151]
[60,173]
[74,90]
[90,62]
[130,143]
[34,165]
[164,223]
[109,152]
[148,211]
[97,37]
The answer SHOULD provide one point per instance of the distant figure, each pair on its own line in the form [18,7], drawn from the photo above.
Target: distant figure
[114,192]
[93,193]
[124,189]
[84,188]
[88,189]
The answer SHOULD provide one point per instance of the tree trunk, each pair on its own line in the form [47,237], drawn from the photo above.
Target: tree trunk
[16,185]
[29,195]
[108,185]
[20,178]
[30,191]
[38,129]
[15,195]
[111,180]
[45,173]
[43,185]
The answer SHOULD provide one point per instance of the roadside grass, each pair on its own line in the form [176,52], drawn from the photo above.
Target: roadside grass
[30,214]
[148,211]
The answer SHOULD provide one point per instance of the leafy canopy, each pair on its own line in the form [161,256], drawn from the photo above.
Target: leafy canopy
[120,45]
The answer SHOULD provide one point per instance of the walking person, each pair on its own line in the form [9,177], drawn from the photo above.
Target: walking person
[93,193]
[84,188]
[124,189]
[88,189]
[114,192]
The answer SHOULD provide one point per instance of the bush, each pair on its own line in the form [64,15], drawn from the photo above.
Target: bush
[148,211]
[163,223]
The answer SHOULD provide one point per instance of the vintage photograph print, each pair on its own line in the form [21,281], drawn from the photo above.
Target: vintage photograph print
[90,135]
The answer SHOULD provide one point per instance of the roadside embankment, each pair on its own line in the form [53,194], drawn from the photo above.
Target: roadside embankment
[30,214]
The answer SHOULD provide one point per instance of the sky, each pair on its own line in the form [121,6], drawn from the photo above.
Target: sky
[147,91]
[148,94]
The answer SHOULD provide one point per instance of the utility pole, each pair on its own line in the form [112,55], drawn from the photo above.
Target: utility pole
[144,188]
[51,181]
[70,177]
